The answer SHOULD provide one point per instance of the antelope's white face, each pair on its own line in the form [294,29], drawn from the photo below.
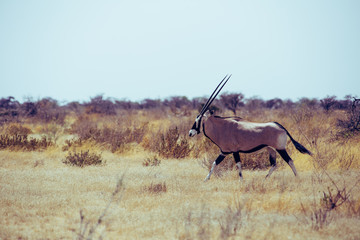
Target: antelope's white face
[196,127]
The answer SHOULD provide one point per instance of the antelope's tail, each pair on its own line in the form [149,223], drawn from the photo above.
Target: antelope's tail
[297,145]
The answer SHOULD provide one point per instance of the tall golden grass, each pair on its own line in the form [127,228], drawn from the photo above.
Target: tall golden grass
[163,196]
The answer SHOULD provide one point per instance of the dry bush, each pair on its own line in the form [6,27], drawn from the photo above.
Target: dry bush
[22,143]
[173,145]
[111,136]
[17,130]
[82,159]
[16,139]
[323,211]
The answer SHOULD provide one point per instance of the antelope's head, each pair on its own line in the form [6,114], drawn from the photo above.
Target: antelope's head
[197,124]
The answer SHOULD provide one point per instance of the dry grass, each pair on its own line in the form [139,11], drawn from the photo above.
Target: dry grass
[41,197]
[169,201]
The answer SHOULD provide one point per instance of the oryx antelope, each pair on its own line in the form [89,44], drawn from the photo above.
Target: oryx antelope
[234,135]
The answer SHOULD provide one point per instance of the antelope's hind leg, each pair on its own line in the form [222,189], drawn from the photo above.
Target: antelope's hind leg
[215,163]
[272,158]
[238,163]
[288,160]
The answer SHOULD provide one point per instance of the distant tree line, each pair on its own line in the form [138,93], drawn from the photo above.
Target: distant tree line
[48,109]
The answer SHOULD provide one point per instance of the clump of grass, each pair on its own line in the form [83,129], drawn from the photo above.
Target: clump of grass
[82,159]
[87,230]
[318,216]
[197,227]
[155,188]
[151,161]
[231,222]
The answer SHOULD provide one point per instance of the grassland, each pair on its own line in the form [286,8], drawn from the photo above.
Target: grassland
[163,196]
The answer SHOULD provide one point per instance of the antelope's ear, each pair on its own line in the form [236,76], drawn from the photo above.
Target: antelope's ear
[208,113]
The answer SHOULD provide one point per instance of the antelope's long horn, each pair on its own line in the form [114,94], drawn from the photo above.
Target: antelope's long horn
[212,97]
[205,105]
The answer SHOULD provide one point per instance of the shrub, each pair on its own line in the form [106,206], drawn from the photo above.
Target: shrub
[172,145]
[18,130]
[111,138]
[19,142]
[83,159]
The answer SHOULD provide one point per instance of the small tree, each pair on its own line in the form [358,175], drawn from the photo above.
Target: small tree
[351,125]
[275,103]
[100,106]
[232,101]
[327,103]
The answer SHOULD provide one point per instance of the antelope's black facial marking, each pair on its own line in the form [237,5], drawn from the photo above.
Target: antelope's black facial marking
[196,127]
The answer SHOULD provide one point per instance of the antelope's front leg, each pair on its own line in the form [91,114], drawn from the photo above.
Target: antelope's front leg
[238,163]
[215,163]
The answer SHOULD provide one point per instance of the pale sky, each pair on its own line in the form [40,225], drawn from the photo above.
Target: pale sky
[131,49]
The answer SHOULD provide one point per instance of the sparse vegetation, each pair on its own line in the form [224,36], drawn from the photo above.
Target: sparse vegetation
[89,230]
[165,194]
[16,138]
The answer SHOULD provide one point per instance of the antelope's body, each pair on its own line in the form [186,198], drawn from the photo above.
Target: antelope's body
[234,135]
